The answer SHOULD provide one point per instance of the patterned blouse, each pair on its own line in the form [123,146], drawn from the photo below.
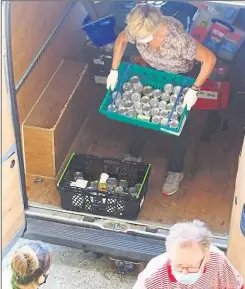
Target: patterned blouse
[177,53]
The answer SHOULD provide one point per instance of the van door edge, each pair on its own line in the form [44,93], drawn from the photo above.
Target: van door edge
[8,69]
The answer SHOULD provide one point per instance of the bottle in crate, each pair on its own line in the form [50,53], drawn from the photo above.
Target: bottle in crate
[102,185]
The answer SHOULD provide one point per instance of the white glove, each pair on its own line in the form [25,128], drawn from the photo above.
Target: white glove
[190,98]
[112,79]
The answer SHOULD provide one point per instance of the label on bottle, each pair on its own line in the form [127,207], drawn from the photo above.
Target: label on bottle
[102,187]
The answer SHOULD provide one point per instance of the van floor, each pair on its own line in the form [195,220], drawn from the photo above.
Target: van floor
[207,190]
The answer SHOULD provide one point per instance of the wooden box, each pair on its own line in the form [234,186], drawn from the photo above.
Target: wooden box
[55,119]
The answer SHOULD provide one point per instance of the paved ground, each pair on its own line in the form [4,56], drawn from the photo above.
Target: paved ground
[74,269]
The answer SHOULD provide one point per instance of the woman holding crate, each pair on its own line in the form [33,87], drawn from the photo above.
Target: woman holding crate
[165,45]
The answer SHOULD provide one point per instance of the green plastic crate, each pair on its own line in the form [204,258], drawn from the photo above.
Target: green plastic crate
[154,78]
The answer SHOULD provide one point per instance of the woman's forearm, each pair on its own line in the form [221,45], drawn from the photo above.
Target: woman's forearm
[206,70]
[208,60]
[119,48]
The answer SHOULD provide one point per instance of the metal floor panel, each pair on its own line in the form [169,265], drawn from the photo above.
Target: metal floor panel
[115,244]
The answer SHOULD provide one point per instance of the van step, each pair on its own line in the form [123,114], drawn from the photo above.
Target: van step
[137,228]
[114,244]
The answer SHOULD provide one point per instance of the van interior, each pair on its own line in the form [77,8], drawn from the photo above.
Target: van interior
[58,107]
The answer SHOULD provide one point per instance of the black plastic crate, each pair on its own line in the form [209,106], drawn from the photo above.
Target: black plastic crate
[100,203]
[98,57]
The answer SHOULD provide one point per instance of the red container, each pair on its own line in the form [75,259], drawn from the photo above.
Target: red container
[199,33]
[214,95]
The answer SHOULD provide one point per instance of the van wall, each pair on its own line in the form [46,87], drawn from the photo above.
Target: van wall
[236,247]
[31,24]
[45,34]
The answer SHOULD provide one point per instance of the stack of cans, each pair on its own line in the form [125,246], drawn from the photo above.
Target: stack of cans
[149,104]
[121,187]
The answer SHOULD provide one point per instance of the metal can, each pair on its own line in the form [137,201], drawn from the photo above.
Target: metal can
[144,117]
[94,184]
[78,176]
[121,110]
[154,102]
[135,97]
[174,124]
[112,107]
[155,111]
[181,100]
[164,121]
[138,87]
[162,104]
[137,105]
[168,88]
[110,190]
[174,116]
[157,93]
[147,90]
[128,87]
[123,183]
[139,112]
[126,95]
[164,113]
[118,102]
[131,112]
[173,98]
[176,89]
[145,100]
[179,109]
[112,182]
[165,96]
[146,109]
[156,119]
[115,94]
[134,80]
[133,191]
[119,190]
[129,104]
[170,106]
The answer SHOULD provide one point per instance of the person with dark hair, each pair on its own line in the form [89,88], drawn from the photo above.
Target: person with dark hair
[30,267]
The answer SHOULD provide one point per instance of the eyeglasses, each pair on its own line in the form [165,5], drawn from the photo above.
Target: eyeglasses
[193,269]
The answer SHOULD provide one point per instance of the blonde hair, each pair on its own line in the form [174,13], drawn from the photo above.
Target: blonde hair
[25,262]
[184,234]
[29,263]
[143,20]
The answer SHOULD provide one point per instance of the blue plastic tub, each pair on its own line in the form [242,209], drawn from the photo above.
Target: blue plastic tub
[101,32]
